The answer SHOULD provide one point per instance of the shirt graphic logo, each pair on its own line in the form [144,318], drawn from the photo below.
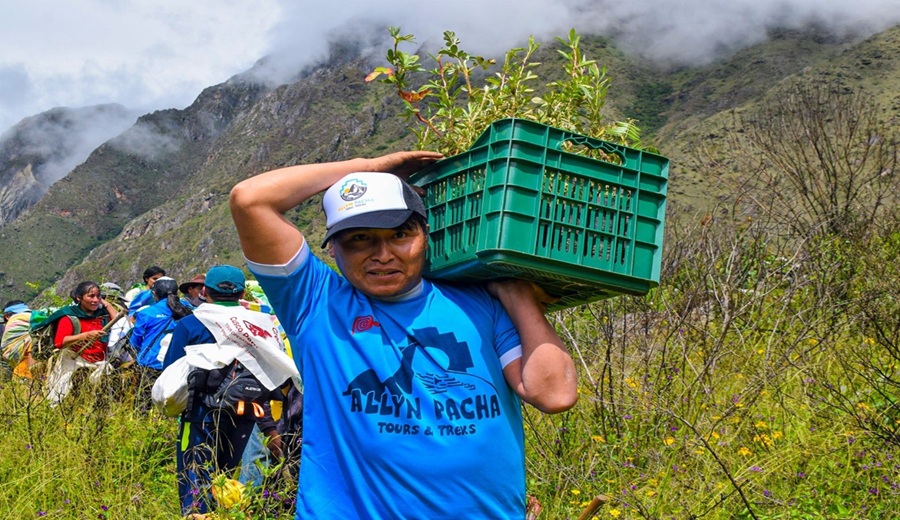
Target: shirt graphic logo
[257,330]
[353,189]
[431,392]
[363,323]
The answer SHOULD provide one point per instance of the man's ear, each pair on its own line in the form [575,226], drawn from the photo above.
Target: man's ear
[330,249]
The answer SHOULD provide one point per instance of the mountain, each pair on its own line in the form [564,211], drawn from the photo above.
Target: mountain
[42,149]
[157,193]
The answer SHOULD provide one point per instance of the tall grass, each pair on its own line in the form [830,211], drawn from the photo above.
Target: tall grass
[95,456]
[759,381]
[753,384]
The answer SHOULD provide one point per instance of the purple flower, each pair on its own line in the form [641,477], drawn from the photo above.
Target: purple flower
[42,513]
[105,508]
[767,493]
[28,447]
[755,469]
[801,474]
[873,491]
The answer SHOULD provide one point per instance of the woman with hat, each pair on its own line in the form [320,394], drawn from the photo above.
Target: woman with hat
[193,291]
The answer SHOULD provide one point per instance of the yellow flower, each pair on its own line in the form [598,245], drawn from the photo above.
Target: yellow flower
[575,492]
[651,493]
[669,441]
[227,492]
[614,513]
[744,451]
[870,341]
[760,351]
[761,425]
[813,341]
[598,438]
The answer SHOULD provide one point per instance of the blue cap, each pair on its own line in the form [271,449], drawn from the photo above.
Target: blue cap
[226,279]
[16,308]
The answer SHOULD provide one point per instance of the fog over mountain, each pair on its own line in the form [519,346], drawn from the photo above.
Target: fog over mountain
[161,54]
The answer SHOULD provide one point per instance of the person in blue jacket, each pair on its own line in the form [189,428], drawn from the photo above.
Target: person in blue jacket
[412,387]
[153,326]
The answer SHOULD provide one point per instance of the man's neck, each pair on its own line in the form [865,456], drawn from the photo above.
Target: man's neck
[408,295]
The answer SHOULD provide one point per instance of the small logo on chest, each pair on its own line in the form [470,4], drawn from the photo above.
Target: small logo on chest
[363,323]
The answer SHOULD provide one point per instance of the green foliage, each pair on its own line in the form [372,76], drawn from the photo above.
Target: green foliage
[459,105]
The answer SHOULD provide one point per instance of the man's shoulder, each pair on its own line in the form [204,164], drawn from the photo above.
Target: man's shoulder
[458,290]
[188,322]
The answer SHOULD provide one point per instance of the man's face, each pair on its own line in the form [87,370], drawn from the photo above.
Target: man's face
[381,262]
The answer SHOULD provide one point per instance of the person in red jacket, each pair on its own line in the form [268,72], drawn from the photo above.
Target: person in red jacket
[80,336]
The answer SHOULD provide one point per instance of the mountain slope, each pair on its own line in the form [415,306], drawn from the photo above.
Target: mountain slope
[42,149]
[157,194]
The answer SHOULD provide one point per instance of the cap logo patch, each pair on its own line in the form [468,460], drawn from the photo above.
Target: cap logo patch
[353,189]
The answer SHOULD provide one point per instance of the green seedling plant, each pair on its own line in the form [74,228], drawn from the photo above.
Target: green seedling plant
[454,102]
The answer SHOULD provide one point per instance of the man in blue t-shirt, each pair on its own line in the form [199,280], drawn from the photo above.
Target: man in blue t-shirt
[412,388]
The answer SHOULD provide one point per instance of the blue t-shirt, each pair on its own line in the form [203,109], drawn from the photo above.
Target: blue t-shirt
[150,326]
[407,413]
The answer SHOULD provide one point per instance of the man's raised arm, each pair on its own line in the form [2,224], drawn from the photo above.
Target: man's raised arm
[258,204]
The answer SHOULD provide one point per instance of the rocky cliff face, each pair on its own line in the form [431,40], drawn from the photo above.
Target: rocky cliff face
[42,149]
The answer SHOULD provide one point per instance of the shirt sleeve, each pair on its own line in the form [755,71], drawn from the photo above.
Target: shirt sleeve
[266,423]
[507,343]
[64,328]
[137,335]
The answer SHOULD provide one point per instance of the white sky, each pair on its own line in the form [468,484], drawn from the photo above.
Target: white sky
[155,54]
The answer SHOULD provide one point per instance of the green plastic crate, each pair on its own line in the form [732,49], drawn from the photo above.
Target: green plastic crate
[517,204]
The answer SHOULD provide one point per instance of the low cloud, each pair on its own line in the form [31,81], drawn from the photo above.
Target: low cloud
[162,54]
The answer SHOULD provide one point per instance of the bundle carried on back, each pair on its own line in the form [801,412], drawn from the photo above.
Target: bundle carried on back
[26,333]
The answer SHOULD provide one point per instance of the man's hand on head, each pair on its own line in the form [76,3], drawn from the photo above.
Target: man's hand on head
[404,164]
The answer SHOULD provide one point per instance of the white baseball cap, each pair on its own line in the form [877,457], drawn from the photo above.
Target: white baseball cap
[369,200]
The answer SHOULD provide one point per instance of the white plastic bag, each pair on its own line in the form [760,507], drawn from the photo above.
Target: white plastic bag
[170,391]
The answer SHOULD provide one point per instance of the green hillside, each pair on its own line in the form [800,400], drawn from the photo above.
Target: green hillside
[131,206]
